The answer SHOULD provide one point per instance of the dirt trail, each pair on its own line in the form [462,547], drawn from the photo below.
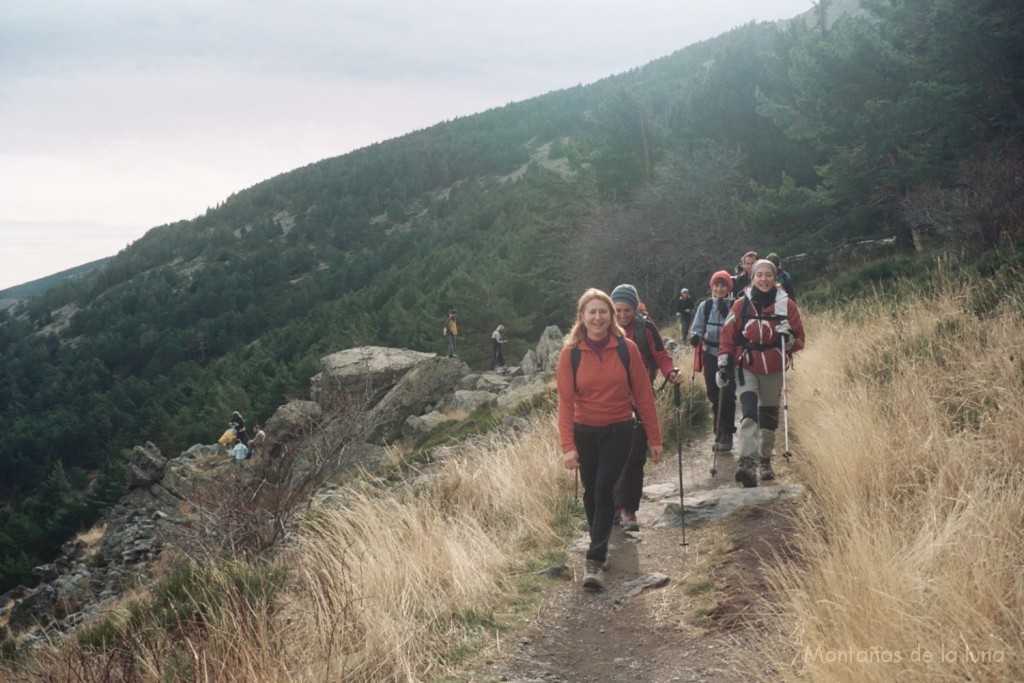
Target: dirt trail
[702,625]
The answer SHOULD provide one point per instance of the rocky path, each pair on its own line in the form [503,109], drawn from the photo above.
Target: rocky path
[669,612]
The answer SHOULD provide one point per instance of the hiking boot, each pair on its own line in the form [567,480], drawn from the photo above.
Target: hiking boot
[593,575]
[724,442]
[619,512]
[767,473]
[745,473]
[629,522]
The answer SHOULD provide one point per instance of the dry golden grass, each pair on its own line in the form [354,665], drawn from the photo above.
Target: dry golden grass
[397,584]
[92,536]
[390,587]
[910,420]
[909,556]
[391,583]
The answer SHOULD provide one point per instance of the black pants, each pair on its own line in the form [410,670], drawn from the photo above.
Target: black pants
[497,359]
[631,484]
[725,411]
[602,453]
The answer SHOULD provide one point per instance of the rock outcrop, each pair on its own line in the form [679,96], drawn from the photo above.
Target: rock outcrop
[361,400]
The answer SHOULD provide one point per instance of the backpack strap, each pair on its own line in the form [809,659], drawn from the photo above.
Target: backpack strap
[640,332]
[574,357]
[707,305]
[747,311]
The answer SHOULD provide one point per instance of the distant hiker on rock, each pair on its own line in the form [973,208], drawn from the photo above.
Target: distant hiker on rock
[741,280]
[750,351]
[684,309]
[644,333]
[237,422]
[240,452]
[229,437]
[600,377]
[497,359]
[704,336]
[784,279]
[259,437]
[451,331]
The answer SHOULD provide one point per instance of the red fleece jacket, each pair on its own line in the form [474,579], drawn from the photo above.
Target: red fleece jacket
[602,396]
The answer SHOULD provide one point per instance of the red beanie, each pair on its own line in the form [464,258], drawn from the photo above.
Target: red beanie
[722,275]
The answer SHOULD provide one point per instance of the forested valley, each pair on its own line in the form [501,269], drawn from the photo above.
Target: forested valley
[860,146]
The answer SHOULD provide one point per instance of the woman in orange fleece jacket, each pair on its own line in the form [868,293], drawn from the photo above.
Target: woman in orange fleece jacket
[595,415]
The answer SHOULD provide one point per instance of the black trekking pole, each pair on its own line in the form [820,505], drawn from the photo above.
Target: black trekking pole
[785,405]
[714,444]
[679,448]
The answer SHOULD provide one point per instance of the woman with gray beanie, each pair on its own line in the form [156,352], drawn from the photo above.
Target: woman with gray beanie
[644,333]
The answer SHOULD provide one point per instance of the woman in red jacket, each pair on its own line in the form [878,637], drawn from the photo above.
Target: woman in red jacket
[758,327]
[601,376]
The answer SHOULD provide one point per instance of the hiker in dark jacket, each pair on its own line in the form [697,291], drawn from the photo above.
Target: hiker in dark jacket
[782,278]
[497,358]
[600,378]
[750,352]
[704,336]
[684,309]
[644,333]
[741,281]
[238,424]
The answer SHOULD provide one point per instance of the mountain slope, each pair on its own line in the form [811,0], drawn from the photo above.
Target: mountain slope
[803,140]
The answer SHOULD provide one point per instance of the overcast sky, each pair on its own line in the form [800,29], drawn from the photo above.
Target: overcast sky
[117,116]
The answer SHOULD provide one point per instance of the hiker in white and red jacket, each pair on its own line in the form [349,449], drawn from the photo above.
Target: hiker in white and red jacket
[704,336]
[759,326]
[644,333]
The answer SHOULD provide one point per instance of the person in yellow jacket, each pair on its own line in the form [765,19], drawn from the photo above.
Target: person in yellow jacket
[451,331]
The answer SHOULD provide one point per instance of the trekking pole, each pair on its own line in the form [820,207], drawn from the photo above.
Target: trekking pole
[785,405]
[576,486]
[714,444]
[679,447]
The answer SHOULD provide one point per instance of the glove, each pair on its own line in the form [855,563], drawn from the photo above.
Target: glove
[724,374]
[695,341]
[784,331]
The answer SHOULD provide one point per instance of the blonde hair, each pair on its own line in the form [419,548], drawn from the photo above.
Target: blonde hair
[579,330]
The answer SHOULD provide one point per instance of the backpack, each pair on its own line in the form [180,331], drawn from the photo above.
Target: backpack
[574,356]
[706,307]
[641,342]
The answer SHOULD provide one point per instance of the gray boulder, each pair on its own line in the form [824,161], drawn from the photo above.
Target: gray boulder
[493,382]
[292,421]
[415,425]
[365,370]
[714,504]
[523,389]
[549,347]
[467,401]
[145,466]
[530,364]
[423,386]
